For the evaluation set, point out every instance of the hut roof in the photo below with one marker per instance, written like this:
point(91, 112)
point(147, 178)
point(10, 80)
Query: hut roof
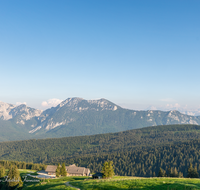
point(51, 168)
point(72, 169)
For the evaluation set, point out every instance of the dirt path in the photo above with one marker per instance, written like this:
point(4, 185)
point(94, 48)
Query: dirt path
point(67, 183)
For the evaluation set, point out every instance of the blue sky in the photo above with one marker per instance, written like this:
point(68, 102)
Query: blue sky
point(134, 53)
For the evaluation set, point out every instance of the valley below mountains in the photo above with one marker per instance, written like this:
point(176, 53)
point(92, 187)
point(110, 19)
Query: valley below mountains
point(79, 117)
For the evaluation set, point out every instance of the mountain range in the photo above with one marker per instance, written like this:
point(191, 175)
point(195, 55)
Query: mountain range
point(78, 117)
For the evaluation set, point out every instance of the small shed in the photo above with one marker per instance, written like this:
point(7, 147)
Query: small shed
point(97, 175)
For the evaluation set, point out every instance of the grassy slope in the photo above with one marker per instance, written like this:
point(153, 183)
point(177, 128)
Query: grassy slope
point(118, 183)
point(53, 184)
point(122, 183)
point(49, 186)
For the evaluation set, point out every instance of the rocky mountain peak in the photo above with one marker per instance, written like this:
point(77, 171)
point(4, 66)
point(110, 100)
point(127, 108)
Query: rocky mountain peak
point(103, 104)
point(10, 111)
point(80, 104)
point(5, 110)
point(70, 102)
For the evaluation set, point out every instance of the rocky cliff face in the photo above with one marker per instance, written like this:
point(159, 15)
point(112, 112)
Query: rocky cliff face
point(61, 114)
point(10, 111)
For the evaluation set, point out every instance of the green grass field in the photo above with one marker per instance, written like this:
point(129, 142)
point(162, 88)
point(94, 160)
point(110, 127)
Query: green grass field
point(53, 184)
point(48, 186)
point(116, 183)
point(131, 183)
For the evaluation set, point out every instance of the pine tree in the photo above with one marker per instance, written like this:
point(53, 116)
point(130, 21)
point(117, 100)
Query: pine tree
point(180, 174)
point(195, 173)
point(2, 171)
point(105, 170)
point(192, 172)
point(175, 172)
point(58, 170)
point(111, 169)
point(23, 165)
point(63, 171)
point(14, 178)
point(108, 170)
point(161, 173)
point(169, 172)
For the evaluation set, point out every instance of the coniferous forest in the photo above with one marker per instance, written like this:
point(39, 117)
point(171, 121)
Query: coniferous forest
point(141, 152)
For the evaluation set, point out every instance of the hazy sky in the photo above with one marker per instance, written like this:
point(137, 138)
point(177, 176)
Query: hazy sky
point(136, 53)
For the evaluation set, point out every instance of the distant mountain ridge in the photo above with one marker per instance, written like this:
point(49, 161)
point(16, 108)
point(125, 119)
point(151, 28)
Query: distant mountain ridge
point(77, 117)
point(10, 111)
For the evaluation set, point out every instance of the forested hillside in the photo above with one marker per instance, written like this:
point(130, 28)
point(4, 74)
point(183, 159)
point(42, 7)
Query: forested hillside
point(139, 152)
point(46, 150)
point(145, 161)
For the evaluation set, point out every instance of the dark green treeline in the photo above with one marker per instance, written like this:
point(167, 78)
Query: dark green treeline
point(22, 165)
point(139, 152)
point(144, 161)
